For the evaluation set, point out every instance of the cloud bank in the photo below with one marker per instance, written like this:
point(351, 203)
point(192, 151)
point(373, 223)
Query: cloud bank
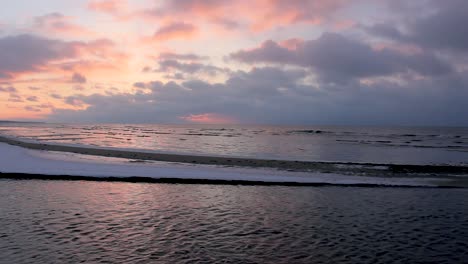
point(269, 61)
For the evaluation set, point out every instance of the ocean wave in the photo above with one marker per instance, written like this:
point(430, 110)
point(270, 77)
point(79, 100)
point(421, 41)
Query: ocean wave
point(310, 132)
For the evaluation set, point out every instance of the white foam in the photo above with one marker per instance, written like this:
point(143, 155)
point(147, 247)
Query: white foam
point(15, 159)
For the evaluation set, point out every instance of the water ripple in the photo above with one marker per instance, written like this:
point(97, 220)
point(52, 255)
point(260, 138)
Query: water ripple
point(98, 222)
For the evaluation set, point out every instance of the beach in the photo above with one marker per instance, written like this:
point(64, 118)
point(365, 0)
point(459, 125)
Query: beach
point(78, 198)
point(41, 160)
point(244, 132)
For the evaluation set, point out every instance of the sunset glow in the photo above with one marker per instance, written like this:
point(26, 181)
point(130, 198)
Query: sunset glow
point(265, 61)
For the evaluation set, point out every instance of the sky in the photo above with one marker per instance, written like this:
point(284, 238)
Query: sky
point(296, 62)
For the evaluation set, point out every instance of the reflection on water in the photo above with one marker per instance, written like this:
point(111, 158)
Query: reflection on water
point(69, 222)
point(348, 144)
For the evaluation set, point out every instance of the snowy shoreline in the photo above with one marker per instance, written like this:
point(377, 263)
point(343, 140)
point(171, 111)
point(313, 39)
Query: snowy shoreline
point(21, 163)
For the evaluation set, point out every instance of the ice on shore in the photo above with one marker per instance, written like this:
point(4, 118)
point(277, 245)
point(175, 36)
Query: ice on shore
point(15, 159)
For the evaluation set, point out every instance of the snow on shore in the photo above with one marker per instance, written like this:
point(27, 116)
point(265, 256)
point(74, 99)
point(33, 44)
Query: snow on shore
point(15, 159)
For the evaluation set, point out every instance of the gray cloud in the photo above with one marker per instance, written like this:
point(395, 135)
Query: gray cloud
point(445, 29)
point(28, 52)
point(181, 56)
point(5, 75)
point(336, 58)
point(56, 96)
point(242, 95)
point(176, 76)
point(226, 23)
point(32, 108)
point(76, 100)
point(273, 95)
point(140, 85)
point(16, 98)
point(442, 29)
point(386, 30)
point(78, 78)
point(9, 89)
point(78, 88)
point(188, 67)
point(32, 98)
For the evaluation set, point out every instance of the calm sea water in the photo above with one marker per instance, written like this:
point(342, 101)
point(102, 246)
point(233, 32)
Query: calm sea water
point(345, 144)
point(98, 222)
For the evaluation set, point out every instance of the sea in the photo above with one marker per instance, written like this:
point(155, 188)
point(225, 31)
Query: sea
point(109, 222)
point(380, 145)
point(60, 221)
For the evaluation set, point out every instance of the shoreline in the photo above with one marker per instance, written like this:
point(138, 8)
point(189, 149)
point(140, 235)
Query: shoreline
point(287, 165)
point(18, 162)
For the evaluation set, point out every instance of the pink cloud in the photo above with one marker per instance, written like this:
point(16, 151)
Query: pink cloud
point(281, 13)
point(344, 24)
point(107, 6)
point(292, 43)
point(257, 15)
point(120, 10)
point(177, 30)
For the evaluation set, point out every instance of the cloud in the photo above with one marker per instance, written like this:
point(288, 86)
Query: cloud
point(240, 96)
point(25, 53)
point(140, 85)
point(9, 89)
point(176, 65)
point(268, 52)
point(440, 29)
point(32, 98)
point(15, 98)
point(78, 78)
point(226, 23)
point(445, 29)
point(256, 15)
point(112, 7)
point(58, 23)
point(78, 88)
point(5, 76)
point(279, 12)
point(190, 67)
point(371, 67)
point(273, 95)
point(385, 30)
point(32, 109)
point(176, 30)
point(181, 56)
point(175, 76)
point(74, 101)
point(336, 58)
point(56, 96)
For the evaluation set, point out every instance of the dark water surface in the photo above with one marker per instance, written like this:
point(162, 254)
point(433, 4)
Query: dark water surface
point(99, 222)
